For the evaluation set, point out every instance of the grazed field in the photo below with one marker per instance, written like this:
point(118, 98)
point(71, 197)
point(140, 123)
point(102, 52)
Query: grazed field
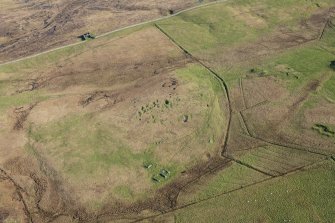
point(234, 100)
point(302, 197)
point(94, 123)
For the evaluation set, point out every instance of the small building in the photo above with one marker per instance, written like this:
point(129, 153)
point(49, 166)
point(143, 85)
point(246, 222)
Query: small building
point(87, 36)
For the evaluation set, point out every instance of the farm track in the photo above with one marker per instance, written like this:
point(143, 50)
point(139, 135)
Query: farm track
point(115, 31)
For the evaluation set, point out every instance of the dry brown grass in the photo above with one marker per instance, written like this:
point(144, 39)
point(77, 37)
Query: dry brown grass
point(245, 14)
point(261, 89)
point(10, 206)
point(110, 91)
point(40, 25)
point(108, 87)
point(323, 113)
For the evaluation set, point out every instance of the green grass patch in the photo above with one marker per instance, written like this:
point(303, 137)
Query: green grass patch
point(211, 95)
point(17, 100)
point(202, 77)
point(297, 66)
point(88, 147)
point(277, 160)
point(42, 60)
point(328, 37)
point(231, 178)
point(324, 130)
point(207, 27)
point(215, 25)
point(85, 145)
point(328, 89)
point(303, 197)
point(124, 192)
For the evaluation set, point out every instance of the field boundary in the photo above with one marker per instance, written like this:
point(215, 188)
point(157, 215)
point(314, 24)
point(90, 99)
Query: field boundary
point(242, 93)
point(249, 166)
point(231, 191)
point(216, 76)
point(244, 126)
point(289, 146)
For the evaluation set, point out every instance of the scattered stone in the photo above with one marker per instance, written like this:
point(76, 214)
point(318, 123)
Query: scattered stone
point(155, 179)
point(185, 118)
point(148, 165)
point(164, 173)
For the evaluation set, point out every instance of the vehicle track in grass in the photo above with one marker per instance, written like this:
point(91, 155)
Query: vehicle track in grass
point(19, 190)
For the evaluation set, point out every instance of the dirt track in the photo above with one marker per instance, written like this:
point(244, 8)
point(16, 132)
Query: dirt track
point(63, 26)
